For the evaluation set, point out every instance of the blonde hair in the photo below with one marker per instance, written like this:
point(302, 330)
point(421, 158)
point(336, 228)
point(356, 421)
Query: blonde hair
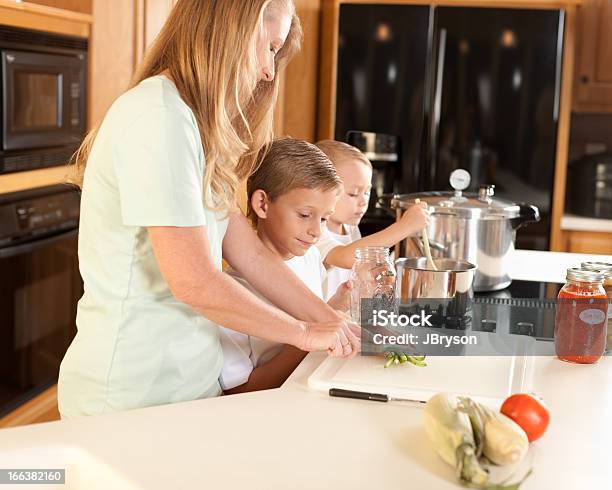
point(208, 50)
point(291, 164)
point(337, 151)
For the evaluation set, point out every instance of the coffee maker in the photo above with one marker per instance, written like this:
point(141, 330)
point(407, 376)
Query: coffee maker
point(383, 151)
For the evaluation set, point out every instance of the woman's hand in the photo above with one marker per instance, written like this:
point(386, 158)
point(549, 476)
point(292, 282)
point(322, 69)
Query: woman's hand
point(341, 300)
point(339, 338)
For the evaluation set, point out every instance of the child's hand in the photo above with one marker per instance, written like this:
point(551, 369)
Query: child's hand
point(414, 219)
point(341, 300)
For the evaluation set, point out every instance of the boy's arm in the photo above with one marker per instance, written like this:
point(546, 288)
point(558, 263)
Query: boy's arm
point(344, 255)
point(273, 373)
point(412, 221)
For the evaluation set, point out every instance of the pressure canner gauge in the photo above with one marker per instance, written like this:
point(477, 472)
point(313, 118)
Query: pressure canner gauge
point(459, 180)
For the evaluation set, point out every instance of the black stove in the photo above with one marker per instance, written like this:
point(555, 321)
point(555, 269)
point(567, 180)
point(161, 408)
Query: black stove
point(523, 308)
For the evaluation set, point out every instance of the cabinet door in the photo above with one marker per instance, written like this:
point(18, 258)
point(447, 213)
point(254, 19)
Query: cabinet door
point(296, 109)
point(593, 87)
point(123, 29)
point(589, 242)
point(151, 15)
point(112, 54)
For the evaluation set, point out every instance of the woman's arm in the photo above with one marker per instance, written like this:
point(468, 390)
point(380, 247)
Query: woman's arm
point(273, 373)
point(183, 256)
point(269, 274)
point(411, 222)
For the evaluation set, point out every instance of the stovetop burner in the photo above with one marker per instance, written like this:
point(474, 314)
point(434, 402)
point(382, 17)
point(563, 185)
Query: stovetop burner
point(527, 289)
point(523, 308)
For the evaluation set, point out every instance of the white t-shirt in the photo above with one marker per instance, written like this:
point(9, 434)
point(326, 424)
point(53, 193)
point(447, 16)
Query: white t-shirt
point(242, 353)
point(136, 344)
point(327, 242)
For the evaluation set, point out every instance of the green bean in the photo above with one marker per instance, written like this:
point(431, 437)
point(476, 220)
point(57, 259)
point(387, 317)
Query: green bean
point(401, 358)
point(416, 362)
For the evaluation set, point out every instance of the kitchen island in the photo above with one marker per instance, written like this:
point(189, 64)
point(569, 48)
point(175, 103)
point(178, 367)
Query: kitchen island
point(296, 438)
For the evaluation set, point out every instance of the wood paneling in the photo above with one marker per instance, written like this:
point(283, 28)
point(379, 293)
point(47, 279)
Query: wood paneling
point(83, 6)
point(593, 84)
point(42, 408)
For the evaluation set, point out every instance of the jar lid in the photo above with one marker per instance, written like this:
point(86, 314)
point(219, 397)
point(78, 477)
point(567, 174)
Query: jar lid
point(466, 205)
point(365, 253)
point(576, 274)
point(604, 267)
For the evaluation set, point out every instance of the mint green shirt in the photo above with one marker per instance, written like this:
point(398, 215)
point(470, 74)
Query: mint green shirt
point(136, 344)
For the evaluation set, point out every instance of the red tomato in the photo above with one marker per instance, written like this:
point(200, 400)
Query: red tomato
point(528, 411)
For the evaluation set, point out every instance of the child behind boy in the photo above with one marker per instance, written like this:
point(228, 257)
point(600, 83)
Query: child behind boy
point(338, 243)
point(290, 198)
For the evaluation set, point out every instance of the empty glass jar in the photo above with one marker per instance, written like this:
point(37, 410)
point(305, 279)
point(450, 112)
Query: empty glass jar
point(373, 276)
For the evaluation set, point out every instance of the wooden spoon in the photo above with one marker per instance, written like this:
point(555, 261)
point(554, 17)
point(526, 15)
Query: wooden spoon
point(430, 262)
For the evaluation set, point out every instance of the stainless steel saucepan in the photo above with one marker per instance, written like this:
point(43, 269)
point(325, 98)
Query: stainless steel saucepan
point(450, 287)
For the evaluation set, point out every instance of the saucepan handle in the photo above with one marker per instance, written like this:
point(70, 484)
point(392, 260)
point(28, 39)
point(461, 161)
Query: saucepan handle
point(384, 203)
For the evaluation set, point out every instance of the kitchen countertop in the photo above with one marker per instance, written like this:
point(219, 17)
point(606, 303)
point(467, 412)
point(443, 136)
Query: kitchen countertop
point(580, 223)
point(294, 438)
point(532, 265)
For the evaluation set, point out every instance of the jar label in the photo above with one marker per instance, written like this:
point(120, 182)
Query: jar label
point(592, 316)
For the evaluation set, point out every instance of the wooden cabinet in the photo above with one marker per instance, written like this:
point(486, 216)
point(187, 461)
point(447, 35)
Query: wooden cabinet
point(83, 6)
point(593, 81)
point(122, 31)
point(296, 111)
point(587, 242)
point(42, 408)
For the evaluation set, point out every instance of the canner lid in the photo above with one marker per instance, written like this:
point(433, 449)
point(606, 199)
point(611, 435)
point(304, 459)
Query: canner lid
point(482, 205)
point(466, 205)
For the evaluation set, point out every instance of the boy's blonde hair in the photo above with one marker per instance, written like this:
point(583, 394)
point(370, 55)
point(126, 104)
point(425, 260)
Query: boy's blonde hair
point(291, 164)
point(209, 51)
point(337, 151)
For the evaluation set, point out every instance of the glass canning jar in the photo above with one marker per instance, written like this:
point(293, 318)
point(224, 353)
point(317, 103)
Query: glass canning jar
point(606, 268)
point(580, 325)
point(373, 276)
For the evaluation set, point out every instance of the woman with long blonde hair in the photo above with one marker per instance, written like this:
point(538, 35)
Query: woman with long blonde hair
point(158, 211)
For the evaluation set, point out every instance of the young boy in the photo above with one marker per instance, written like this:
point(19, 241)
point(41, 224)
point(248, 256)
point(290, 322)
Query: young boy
point(338, 243)
point(290, 198)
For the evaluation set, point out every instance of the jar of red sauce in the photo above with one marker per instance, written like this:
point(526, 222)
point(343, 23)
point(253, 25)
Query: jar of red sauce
point(581, 317)
point(607, 284)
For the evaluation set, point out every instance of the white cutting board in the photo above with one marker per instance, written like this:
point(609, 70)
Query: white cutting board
point(486, 379)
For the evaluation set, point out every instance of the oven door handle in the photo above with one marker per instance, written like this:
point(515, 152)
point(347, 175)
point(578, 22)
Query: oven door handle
point(28, 247)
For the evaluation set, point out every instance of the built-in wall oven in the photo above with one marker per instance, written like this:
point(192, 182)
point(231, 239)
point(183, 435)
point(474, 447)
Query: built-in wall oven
point(43, 98)
point(39, 288)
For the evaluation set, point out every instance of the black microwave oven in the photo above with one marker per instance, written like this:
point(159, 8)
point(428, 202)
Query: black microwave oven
point(43, 98)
